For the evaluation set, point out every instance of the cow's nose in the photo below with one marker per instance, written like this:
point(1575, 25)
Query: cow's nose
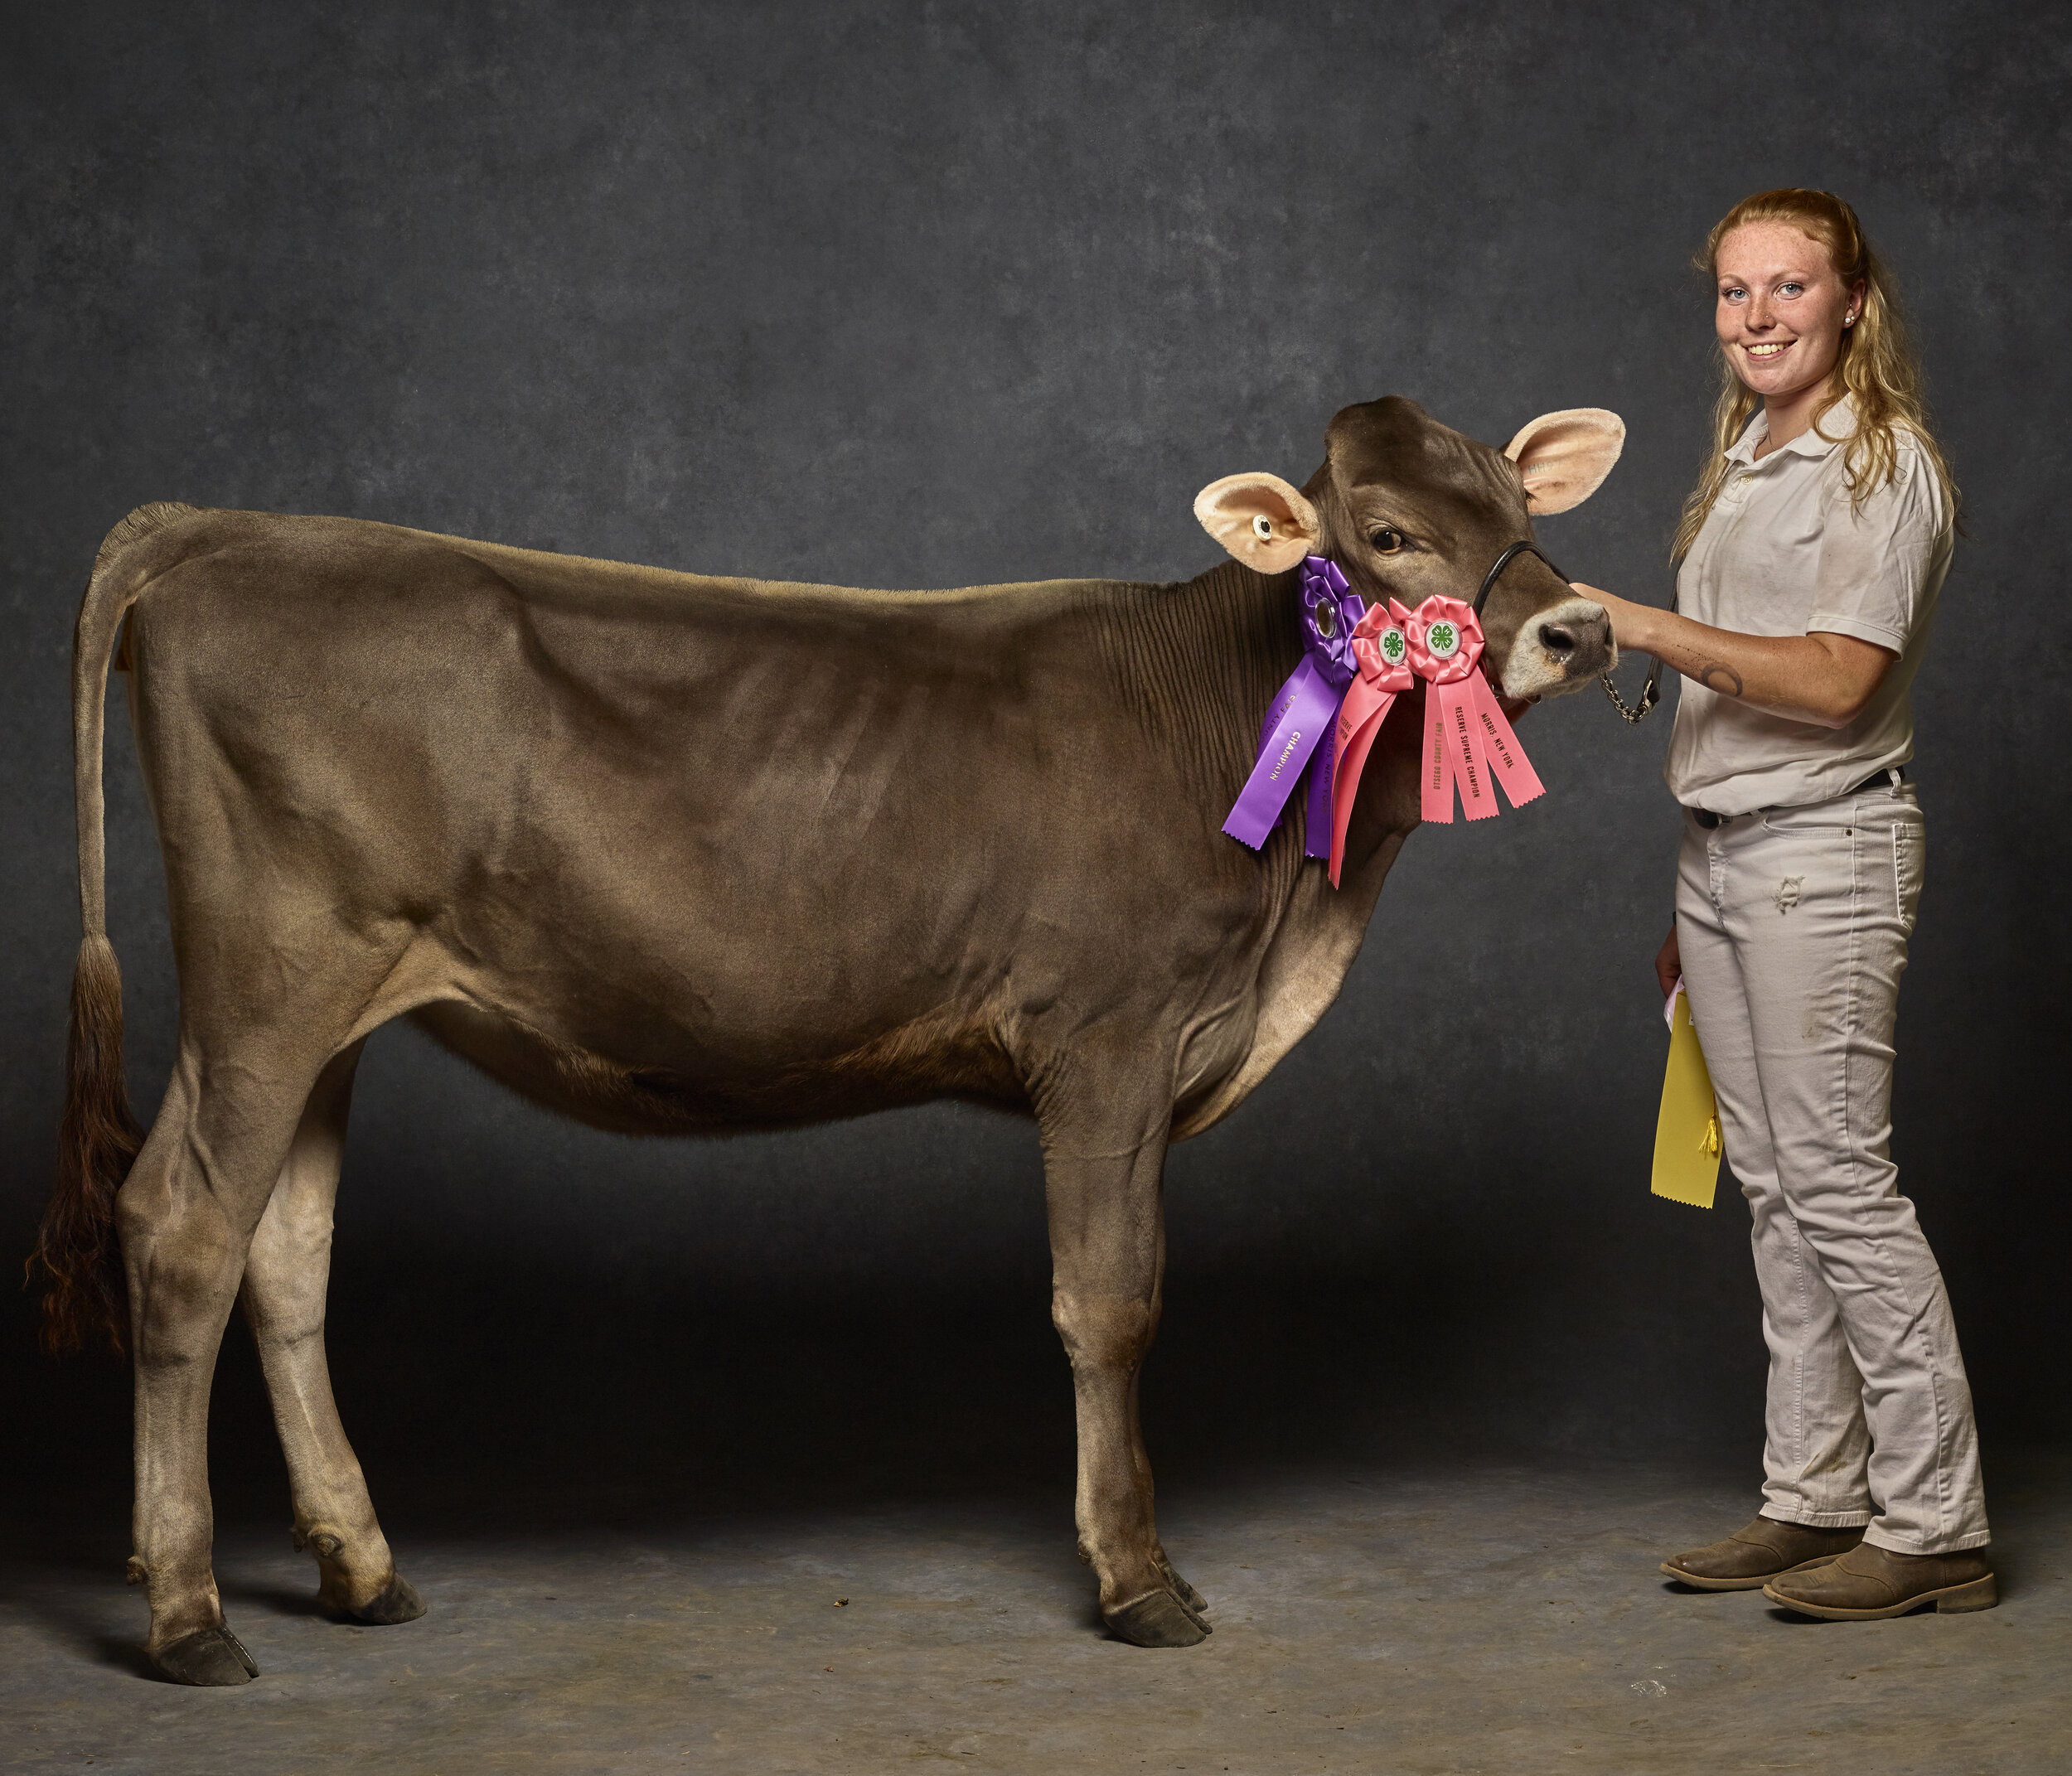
point(1572, 633)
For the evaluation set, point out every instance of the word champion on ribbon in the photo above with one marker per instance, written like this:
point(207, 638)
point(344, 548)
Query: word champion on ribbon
point(1356, 662)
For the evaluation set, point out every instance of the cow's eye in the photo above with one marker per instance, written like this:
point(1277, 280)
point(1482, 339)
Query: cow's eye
point(1387, 540)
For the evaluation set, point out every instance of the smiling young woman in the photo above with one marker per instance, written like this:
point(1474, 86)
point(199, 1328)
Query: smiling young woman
point(1812, 552)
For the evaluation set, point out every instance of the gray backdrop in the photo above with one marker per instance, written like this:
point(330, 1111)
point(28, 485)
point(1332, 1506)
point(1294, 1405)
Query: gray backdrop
point(937, 295)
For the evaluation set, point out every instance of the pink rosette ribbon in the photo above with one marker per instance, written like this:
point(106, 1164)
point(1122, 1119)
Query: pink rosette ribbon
point(1467, 739)
point(1380, 651)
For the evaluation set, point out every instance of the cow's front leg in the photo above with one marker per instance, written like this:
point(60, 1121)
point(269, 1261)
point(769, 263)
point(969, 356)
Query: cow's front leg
point(286, 1277)
point(1105, 1186)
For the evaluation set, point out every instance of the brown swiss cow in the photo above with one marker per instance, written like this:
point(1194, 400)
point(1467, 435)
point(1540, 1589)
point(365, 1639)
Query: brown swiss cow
point(677, 853)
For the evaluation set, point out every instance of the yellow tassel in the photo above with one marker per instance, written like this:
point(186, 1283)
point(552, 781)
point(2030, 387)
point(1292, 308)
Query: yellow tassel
point(1709, 1142)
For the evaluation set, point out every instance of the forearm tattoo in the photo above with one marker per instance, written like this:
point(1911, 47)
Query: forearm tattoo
point(1716, 677)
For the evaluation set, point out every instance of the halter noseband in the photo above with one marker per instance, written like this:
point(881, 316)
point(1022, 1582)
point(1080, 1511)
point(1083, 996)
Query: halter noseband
point(1649, 692)
point(1503, 561)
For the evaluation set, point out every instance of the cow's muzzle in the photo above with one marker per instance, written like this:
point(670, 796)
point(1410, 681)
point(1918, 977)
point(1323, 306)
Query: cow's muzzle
point(1559, 649)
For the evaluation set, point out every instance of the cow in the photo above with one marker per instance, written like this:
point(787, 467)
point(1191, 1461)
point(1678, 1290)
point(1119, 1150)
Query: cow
point(679, 853)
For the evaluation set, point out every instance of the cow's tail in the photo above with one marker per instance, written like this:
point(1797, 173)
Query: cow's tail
point(78, 1251)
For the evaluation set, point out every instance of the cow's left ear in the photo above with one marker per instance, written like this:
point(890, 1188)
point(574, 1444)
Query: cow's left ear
point(1260, 519)
point(1565, 456)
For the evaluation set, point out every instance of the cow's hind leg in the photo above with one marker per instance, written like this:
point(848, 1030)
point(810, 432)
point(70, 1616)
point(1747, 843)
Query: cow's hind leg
point(1105, 1186)
point(186, 1214)
point(287, 1274)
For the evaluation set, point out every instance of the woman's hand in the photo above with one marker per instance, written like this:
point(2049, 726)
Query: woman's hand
point(1632, 625)
point(1823, 679)
point(1669, 962)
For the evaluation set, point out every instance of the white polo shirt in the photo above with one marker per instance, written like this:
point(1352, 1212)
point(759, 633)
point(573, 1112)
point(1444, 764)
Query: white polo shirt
point(1782, 552)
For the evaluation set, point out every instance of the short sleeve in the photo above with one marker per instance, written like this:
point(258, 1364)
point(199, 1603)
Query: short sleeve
point(1876, 558)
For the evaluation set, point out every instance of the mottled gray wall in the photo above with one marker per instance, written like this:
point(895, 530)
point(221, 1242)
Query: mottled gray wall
point(936, 295)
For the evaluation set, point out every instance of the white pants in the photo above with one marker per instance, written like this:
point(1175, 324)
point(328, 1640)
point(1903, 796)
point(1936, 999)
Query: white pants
point(1793, 928)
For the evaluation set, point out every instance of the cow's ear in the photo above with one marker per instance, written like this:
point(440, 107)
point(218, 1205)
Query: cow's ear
point(1260, 519)
point(1565, 456)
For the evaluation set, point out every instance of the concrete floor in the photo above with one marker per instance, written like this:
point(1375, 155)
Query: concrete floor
point(1475, 1618)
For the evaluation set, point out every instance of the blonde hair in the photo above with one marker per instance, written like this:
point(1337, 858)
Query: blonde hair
point(1876, 369)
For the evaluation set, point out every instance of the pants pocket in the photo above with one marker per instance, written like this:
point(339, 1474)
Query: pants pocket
point(1907, 862)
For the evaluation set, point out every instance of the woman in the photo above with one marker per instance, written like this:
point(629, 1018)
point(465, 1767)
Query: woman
point(1812, 552)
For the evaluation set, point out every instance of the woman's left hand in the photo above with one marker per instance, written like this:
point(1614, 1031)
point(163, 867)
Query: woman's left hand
point(1630, 624)
point(1823, 679)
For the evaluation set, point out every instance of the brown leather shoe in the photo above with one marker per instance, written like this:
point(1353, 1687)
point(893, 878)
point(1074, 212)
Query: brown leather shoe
point(1869, 1584)
point(1766, 1550)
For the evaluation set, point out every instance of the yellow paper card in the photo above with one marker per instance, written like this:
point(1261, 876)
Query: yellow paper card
point(1687, 1131)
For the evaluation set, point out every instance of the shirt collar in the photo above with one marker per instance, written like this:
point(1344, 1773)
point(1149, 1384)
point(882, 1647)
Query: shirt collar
point(1838, 422)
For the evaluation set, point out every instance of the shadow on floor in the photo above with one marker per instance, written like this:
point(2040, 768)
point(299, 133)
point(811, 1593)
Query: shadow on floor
point(477, 1413)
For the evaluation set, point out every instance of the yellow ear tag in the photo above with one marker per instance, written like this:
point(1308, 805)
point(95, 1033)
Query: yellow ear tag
point(1687, 1132)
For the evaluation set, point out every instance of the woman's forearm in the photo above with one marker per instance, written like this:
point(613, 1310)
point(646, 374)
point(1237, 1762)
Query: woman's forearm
point(1823, 679)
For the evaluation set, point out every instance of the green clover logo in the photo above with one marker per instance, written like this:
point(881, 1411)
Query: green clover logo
point(1443, 639)
point(1394, 647)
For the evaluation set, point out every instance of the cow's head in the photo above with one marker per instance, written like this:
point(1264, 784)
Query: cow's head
point(1407, 507)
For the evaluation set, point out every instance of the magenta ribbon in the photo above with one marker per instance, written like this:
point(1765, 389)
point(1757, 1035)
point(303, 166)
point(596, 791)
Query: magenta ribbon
point(1381, 651)
point(1303, 716)
point(1356, 662)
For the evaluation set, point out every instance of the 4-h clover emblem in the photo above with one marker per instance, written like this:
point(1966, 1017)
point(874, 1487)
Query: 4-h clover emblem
point(1442, 641)
point(1393, 645)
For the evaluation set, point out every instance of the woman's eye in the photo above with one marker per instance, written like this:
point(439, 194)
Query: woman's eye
point(1789, 289)
point(1733, 295)
point(1385, 540)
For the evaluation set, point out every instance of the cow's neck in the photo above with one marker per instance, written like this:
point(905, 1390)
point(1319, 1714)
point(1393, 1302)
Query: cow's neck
point(1199, 664)
point(1201, 660)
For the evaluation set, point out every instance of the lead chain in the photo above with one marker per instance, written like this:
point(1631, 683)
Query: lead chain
point(1650, 694)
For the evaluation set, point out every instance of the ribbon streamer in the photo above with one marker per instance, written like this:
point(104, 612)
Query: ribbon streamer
point(1328, 713)
point(1304, 715)
point(1468, 744)
point(1382, 652)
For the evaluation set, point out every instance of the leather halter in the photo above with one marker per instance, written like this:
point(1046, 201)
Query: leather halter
point(1503, 561)
point(1650, 691)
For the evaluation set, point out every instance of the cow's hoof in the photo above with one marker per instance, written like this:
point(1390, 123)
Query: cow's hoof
point(209, 1656)
point(1196, 1603)
point(397, 1601)
point(1158, 1619)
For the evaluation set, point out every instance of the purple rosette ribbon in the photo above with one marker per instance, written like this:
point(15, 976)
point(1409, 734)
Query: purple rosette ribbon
point(1300, 730)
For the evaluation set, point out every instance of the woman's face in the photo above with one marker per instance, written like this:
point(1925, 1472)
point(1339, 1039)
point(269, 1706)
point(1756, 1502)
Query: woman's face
point(1782, 308)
